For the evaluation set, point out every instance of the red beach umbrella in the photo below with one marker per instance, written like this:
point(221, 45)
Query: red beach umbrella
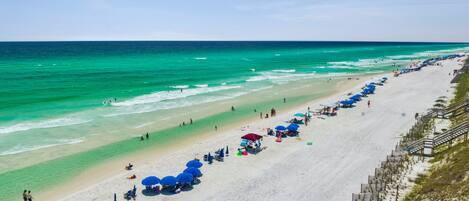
point(252, 137)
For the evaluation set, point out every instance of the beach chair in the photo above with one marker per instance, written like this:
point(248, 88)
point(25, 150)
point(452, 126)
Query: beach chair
point(128, 195)
point(210, 159)
point(219, 158)
point(134, 193)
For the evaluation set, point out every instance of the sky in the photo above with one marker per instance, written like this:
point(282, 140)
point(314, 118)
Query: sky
point(311, 20)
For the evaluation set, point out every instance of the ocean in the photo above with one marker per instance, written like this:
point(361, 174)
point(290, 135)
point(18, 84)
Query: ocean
point(63, 102)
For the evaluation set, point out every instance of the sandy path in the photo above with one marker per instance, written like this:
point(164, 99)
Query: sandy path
point(345, 150)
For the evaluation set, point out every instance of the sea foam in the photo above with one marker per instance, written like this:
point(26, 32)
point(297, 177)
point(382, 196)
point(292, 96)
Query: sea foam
point(179, 87)
point(170, 95)
point(26, 148)
point(41, 124)
point(285, 71)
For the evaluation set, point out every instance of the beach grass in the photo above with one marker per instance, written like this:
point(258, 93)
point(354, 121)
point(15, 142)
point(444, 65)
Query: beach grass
point(448, 178)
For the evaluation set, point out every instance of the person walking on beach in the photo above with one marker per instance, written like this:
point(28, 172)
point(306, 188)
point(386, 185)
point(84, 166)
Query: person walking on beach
point(29, 197)
point(25, 195)
point(369, 103)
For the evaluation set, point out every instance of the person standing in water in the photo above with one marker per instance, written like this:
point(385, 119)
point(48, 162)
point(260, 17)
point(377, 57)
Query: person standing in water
point(147, 136)
point(216, 127)
point(232, 108)
point(190, 121)
point(284, 100)
point(261, 115)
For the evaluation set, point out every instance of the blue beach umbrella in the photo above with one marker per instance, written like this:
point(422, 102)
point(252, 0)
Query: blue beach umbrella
point(299, 114)
point(293, 127)
point(353, 99)
point(280, 128)
point(150, 181)
point(194, 163)
point(185, 178)
point(168, 181)
point(193, 171)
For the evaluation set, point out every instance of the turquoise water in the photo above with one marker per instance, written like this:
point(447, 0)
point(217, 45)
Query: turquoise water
point(47, 85)
point(60, 94)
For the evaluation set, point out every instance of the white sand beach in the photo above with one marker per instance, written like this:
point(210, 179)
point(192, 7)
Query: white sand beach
point(345, 149)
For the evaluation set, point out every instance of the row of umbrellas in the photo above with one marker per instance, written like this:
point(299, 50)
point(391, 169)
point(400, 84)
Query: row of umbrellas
point(291, 127)
point(368, 89)
point(187, 176)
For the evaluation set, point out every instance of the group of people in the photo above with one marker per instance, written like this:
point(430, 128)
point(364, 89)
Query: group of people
point(143, 137)
point(109, 101)
point(184, 123)
point(273, 112)
point(27, 195)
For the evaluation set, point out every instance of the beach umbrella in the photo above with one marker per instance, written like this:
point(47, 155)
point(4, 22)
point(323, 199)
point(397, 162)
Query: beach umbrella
point(354, 98)
point(168, 181)
point(244, 142)
point(194, 163)
point(252, 137)
point(150, 181)
point(185, 178)
point(194, 171)
point(293, 127)
point(280, 128)
point(299, 115)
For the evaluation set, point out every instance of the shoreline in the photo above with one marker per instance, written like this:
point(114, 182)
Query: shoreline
point(259, 124)
point(109, 168)
point(93, 139)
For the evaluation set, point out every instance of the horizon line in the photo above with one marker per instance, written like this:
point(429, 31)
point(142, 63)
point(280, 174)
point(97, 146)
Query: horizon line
point(190, 40)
